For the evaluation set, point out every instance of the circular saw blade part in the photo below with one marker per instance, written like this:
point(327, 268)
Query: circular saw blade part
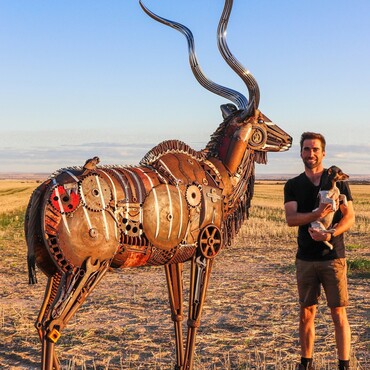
point(95, 193)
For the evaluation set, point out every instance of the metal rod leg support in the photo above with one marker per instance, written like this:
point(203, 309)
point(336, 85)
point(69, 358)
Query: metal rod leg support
point(200, 272)
point(175, 292)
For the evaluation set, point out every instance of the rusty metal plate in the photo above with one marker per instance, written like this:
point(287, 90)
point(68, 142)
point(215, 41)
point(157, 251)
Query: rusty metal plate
point(165, 216)
point(128, 258)
point(181, 167)
point(88, 234)
point(211, 211)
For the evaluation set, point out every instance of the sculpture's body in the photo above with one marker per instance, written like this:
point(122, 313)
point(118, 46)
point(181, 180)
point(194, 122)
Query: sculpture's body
point(178, 205)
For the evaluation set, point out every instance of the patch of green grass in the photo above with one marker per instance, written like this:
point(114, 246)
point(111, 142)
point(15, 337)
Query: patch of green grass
point(7, 192)
point(289, 268)
point(12, 219)
point(359, 267)
point(354, 247)
point(269, 214)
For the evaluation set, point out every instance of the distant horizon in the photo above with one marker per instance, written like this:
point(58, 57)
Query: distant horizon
point(29, 153)
point(259, 176)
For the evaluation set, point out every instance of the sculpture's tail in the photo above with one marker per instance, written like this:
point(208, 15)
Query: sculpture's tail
point(31, 223)
point(31, 262)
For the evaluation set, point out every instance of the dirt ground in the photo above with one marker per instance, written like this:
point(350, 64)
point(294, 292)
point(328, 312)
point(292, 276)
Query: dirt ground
point(249, 320)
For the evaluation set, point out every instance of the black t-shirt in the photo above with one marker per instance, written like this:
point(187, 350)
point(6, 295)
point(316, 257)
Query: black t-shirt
point(301, 190)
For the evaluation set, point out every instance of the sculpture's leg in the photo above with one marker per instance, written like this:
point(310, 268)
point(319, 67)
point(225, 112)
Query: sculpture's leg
point(199, 278)
point(50, 294)
point(62, 299)
point(175, 288)
point(49, 359)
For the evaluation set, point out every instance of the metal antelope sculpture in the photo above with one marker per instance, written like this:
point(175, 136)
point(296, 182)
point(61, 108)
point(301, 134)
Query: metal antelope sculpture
point(177, 205)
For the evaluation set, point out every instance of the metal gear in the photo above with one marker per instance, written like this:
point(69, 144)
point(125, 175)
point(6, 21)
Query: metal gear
point(95, 193)
point(64, 201)
point(210, 241)
point(193, 195)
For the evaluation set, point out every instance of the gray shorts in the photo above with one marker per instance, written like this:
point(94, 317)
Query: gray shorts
point(331, 275)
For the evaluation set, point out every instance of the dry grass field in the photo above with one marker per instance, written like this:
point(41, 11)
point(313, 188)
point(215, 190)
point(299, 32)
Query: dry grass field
point(250, 316)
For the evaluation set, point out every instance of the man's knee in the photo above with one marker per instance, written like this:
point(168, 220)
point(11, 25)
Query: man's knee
point(307, 314)
point(339, 316)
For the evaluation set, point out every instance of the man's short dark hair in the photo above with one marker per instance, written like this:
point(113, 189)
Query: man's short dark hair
point(312, 136)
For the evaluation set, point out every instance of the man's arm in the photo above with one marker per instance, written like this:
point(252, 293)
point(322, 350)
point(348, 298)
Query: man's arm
point(294, 218)
point(347, 220)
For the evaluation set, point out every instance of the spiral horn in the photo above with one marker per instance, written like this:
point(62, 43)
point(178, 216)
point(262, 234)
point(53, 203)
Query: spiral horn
point(237, 98)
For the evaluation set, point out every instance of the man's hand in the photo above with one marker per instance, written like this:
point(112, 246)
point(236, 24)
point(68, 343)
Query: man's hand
point(323, 210)
point(319, 235)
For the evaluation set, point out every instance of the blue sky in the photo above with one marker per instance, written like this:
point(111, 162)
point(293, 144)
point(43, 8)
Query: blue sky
point(87, 77)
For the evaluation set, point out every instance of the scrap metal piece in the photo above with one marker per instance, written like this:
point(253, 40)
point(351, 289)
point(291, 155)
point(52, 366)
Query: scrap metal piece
point(210, 241)
point(165, 216)
point(131, 219)
point(64, 200)
point(193, 195)
point(95, 193)
point(87, 233)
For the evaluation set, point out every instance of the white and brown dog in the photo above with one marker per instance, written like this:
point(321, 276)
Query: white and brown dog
point(329, 194)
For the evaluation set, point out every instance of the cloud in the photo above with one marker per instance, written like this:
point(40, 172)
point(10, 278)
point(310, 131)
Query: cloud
point(49, 159)
point(24, 153)
point(353, 159)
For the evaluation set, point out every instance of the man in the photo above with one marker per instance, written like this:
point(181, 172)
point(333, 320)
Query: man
point(317, 264)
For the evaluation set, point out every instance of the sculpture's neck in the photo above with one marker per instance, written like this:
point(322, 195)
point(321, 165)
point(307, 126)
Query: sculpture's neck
point(233, 150)
point(230, 153)
point(242, 181)
point(229, 144)
point(238, 201)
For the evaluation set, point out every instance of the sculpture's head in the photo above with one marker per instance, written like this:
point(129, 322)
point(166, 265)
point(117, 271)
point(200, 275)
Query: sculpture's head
point(255, 129)
point(242, 116)
point(239, 134)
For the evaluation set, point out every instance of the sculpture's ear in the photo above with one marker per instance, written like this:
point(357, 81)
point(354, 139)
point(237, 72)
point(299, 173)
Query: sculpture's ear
point(227, 110)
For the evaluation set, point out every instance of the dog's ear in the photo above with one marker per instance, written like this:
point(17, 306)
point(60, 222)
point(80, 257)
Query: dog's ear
point(330, 170)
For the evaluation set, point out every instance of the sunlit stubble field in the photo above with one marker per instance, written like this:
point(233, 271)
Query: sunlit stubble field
point(250, 316)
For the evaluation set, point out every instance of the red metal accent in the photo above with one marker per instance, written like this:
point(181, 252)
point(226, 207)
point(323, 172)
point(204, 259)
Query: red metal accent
point(64, 202)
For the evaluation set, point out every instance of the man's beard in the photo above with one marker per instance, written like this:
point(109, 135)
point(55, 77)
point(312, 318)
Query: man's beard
point(311, 165)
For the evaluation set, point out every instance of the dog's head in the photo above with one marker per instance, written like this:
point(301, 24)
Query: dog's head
point(336, 174)
point(331, 176)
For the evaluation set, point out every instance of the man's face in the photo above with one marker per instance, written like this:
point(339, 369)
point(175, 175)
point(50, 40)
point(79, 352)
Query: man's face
point(312, 153)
